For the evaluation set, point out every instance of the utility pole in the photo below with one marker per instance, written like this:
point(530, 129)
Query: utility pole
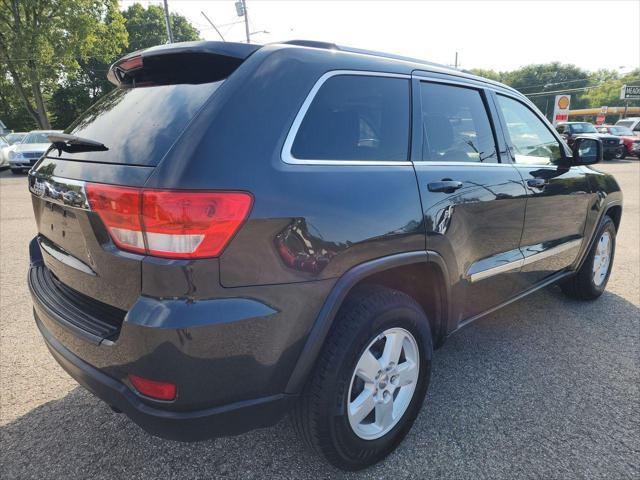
point(241, 10)
point(166, 21)
point(246, 20)
point(455, 64)
point(213, 25)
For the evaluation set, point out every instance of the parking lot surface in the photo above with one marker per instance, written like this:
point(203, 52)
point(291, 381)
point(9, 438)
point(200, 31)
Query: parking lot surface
point(545, 388)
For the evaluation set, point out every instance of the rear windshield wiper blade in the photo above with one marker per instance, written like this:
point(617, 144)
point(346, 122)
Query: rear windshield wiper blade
point(72, 144)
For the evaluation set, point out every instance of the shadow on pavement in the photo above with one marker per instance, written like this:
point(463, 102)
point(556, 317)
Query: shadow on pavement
point(545, 388)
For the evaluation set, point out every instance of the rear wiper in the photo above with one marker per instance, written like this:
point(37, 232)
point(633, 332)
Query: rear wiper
point(72, 144)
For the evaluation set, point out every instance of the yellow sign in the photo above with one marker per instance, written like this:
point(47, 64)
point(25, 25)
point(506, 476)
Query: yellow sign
point(563, 102)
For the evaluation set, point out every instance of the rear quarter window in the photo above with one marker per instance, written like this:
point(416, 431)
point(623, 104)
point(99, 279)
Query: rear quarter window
point(356, 117)
point(139, 125)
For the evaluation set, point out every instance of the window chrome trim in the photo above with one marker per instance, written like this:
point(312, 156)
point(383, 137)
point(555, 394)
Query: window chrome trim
point(287, 156)
point(521, 262)
point(437, 163)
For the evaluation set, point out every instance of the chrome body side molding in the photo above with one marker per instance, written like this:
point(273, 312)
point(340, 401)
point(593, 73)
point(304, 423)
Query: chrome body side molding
point(529, 255)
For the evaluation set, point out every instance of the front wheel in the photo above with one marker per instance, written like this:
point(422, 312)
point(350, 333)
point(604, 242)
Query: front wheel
point(621, 153)
point(591, 280)
point(370, 380)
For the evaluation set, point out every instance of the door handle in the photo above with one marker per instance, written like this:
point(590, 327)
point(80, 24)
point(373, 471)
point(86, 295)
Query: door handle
point(537, 182)
point(445, 186)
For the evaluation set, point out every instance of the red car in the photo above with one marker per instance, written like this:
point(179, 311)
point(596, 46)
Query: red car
point(631, 142)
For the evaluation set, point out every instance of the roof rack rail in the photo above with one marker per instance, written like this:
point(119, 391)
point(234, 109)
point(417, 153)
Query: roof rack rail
point(312, 44)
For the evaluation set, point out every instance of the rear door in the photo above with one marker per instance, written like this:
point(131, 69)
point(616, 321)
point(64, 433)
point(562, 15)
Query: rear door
point(473, 204)
point(558, 196)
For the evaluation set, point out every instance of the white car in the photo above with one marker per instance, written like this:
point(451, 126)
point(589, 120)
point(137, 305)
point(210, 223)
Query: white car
point(4, 152)
point(23, 155)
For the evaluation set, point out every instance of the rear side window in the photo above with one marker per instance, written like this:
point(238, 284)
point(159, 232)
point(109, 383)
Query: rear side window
point(455, 125)
point(139, 125)
point(356, 117)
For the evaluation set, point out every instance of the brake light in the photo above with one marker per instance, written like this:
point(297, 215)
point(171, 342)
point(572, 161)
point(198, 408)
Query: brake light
point(132, 63)
point(151, 388)
point(119, 208)
point(172, 224)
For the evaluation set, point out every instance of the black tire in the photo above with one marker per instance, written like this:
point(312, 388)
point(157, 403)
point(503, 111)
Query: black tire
point(320, 416)
point(582, 286)
point(621, 153)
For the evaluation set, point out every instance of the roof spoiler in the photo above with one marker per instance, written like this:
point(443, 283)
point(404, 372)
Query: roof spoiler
point(185, 62)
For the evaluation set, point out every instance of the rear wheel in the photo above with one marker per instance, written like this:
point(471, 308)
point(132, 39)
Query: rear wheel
point(621, 152)
point(591, 280)
point(370, 380)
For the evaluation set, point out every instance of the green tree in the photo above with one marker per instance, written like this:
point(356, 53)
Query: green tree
point(13, 113)
point(607, 85)
point(548, 77)
point(490, 74)
point(146, 27)
point(42, 43)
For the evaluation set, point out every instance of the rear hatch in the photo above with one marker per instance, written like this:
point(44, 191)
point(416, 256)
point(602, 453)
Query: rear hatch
point(160, 91)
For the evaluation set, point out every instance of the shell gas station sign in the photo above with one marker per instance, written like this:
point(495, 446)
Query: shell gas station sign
point(561, 109)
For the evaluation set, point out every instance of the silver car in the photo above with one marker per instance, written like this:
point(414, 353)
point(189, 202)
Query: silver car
point(26, 153)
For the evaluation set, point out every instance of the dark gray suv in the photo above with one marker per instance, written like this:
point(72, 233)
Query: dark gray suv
point(239, 232)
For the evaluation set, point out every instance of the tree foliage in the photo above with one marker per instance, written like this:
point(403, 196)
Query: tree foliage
point(56, 54)
point(147, 28)
point(43, 42)
point(587, 89)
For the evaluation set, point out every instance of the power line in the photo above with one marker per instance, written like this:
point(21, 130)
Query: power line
point(566, 90)
point(213, 25)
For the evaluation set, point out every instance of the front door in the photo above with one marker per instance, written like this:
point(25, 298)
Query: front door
point(558, 195)
point(473, 205)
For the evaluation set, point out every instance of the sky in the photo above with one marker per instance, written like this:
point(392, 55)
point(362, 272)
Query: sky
point(500, 34)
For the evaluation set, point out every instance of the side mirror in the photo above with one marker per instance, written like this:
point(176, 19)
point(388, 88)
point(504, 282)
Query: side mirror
point(586, 151)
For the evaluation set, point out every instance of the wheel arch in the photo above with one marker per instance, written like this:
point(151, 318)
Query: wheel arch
point(387, 271)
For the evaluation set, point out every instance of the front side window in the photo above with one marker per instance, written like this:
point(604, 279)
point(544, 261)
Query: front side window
point(533, 143)
point(455, 125)
point(356, 117)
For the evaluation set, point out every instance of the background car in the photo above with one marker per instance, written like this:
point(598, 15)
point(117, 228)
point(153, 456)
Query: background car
point(612, 146)
point(4, 153)
point(15, 137)
point(632, 123)
point(23, 155)
point(631, 142)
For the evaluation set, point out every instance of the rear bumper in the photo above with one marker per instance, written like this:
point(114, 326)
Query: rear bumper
point(184, 426)
point(230, 357)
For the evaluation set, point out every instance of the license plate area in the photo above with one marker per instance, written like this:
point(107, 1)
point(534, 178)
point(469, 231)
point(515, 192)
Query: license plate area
point(60, 225)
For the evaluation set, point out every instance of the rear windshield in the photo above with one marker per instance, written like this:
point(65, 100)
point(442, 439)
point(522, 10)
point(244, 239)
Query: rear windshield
point(139, 125)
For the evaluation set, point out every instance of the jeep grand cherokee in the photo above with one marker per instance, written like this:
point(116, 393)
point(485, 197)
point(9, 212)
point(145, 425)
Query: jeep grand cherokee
point(239, 232)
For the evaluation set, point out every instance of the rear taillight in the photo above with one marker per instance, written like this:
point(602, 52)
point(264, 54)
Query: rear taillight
point(173, 224)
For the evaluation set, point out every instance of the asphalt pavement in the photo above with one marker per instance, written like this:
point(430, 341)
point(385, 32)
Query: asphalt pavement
point(546, 388)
